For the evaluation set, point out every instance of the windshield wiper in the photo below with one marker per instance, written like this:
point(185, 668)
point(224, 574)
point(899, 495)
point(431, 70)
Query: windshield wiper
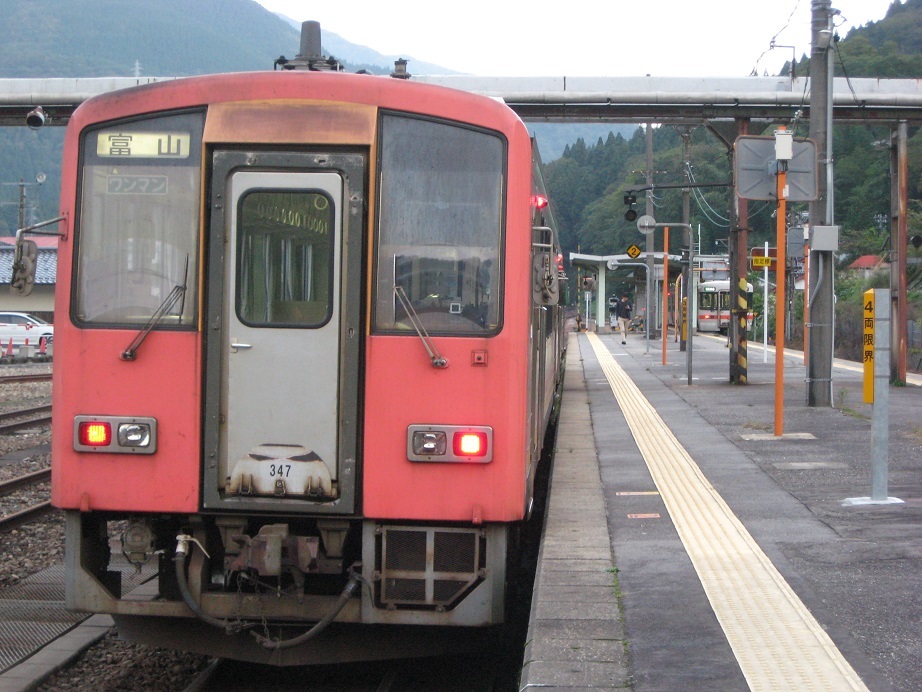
point(179, 291)
point(436, 358)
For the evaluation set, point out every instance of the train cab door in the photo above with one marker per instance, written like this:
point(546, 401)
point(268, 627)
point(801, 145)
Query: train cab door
point(282, 348)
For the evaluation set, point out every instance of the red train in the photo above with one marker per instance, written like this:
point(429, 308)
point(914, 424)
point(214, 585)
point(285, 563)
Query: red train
point(307, 347)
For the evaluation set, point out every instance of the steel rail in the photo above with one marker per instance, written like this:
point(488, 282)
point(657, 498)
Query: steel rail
point(25, 515)
point(19, 379)
point(35, 419)
point(14, 484)
point(11, 415)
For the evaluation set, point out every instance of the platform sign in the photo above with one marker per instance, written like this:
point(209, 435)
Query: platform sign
point(867, 346)
point(759, 260)
point(633, 252)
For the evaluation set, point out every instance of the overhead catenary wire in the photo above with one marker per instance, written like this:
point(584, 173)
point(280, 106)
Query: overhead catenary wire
point(704, 206)
point(771, 43)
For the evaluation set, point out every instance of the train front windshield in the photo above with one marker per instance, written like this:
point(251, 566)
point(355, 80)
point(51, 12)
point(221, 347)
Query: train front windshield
point(137, 227)
point(714, 301)
point(439, 227)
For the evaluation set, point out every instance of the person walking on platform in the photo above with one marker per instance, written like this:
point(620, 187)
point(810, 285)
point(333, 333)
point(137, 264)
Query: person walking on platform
point(624, 309)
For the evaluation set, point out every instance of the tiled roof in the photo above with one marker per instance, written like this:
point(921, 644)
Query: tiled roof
point(867, 262)
point(46, 265)
point(40, 240)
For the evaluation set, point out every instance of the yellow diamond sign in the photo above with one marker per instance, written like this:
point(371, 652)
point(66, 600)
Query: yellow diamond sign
point(633, 252)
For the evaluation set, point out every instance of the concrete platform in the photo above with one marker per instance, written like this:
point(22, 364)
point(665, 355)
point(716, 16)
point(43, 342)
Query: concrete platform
point(856, 570)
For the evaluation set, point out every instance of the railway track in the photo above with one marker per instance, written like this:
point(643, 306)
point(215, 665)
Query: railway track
point(19, 379)
point(16, 511)
point(21, 419)
point(19, 503)
point(459, 673)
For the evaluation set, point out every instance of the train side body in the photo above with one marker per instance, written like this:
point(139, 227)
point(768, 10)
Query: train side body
point(299, 350)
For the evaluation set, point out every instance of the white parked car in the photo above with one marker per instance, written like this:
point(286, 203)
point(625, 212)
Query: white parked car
point(20, 326)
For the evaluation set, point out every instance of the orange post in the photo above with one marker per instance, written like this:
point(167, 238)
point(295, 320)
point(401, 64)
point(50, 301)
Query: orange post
point(780, 300)
point(665, 288)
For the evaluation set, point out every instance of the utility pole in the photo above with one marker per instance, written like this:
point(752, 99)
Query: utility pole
point(899, 247)
point(687, 271)
point(650, 317)
point(738, 249)
point(821, 304)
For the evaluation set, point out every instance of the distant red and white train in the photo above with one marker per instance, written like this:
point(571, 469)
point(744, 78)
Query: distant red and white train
point(714, 301)
point(307, 348)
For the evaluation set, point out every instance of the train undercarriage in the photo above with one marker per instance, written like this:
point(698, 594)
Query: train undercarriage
point(265, 589)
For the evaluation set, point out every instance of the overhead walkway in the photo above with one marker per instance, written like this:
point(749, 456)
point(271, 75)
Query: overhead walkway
point(561, 98)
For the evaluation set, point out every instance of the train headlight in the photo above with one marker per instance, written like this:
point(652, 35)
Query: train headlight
point(115, 434)
point(450, 443)
point(134, 435)
point(430, 442)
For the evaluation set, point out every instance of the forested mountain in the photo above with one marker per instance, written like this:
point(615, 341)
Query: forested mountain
point(589, 181)
point(59, 38)
point(104, 38)
point(889, 48)
point(93, 38)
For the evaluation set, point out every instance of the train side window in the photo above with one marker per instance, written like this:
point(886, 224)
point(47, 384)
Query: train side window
point(137, 239)
point(285, 258)
point(440, 221)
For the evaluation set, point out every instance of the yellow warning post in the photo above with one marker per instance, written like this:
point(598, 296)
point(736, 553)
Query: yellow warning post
point(867, 346)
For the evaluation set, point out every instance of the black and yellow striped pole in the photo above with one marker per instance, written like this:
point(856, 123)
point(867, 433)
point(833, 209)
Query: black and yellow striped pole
point(742, 315)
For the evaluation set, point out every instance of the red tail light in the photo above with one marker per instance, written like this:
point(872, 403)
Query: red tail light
point(470, 444)
point(95, 434)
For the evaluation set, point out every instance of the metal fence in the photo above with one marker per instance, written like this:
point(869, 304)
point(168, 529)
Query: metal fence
point(914, 345)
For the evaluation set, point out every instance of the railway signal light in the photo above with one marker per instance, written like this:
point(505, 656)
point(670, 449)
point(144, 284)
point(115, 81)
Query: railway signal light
point(630, 199)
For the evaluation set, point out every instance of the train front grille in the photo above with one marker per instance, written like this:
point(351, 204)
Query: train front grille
point(428, 567)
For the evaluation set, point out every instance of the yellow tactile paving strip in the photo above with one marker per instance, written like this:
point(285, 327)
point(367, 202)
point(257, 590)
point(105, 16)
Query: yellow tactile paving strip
point(779, 645)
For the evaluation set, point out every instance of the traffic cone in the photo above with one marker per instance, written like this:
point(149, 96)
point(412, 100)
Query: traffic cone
point(41, 346)
point(9, 348)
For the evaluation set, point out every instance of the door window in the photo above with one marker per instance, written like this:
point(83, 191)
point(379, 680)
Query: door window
point(285, 258)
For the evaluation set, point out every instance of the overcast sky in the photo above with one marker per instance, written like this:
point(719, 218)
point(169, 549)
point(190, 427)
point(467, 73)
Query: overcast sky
point(663, 38)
